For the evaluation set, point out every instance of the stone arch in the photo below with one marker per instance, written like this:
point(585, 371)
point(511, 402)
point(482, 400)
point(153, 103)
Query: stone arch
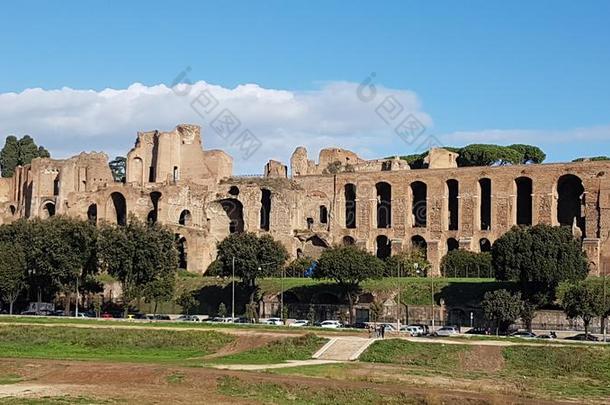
point(309, 221)
point(524, 188)
point(92, 213)
point(350, 205)
point(485, 204)
point(384, 204)
point(348, 241)
point(186, 218)
point(56, 185)
point(418, 242)
point(12, 209)
point(47, 210)
point(453, 206)
point(452, 244)
point(419, 204)
point(182, 246)
point(325, 298)
point(570, 202)
point(235, 212)
point(265, 211)
point(484, 245)
point(384, 248)
point(116, 207)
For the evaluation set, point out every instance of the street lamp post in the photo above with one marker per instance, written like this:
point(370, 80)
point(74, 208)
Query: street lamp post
point(76, 304)
point(398, 312)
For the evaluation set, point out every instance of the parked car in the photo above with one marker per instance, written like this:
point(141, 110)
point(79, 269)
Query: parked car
point(185, 318)
point(330, 324)
point(423, 327)
point(412, 330)
point(551, 335)
point(523, 334)
point(389, 327)
point(106, 315)
point(584, 337)
point(478, 331)
point(357, 325)
point(299, 323)
point(446, 331)
point(274, 321)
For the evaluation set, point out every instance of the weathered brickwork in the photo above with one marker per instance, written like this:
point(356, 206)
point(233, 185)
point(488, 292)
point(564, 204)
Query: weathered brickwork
point(381, 205)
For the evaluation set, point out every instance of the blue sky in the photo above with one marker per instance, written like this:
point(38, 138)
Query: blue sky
point(474, 71)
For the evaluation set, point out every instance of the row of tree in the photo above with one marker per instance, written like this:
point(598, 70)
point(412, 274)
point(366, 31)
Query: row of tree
point(486, 155)
point(51, 256)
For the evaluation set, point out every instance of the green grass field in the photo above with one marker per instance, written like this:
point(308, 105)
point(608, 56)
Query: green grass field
point(296, 348)
point(108, 344)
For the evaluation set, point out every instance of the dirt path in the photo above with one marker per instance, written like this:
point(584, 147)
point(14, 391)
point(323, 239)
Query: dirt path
point(147, 383)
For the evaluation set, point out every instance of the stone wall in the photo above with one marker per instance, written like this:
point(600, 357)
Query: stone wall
point(172, 180)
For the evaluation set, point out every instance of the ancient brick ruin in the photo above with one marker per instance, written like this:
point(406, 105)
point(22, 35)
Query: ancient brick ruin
point(381, 205)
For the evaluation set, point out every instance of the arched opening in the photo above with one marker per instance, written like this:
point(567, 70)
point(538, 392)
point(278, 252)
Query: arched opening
point(265, 211)
point(348, 241)
point(120, 207)
point(452, 244)
point(484, 245)
point(48, 210)
point(570, 202)
point(485, 204)
point(153, 215)
point(176, 174)
point(56, 186)
point(384, 248)
point(419, 243)
point(13, 209)
point(453, 205)
point(350, 206)
point(323, 214)
point(185, 218)
point(138, 169)
point(299, 253)
point(384, 205)
point(234, 191)
point(309, 221)
point(181, 245)
point(92, 213)
point(524, 200)
point(235, 212)
point(419, 204)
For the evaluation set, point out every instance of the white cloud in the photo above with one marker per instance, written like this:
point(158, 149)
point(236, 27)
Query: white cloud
point(68, 121)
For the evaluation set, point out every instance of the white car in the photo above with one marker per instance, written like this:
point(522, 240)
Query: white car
point(447, 331)
point(330, 324)
point(300, 323)
point(413, 330)
point(274, 321)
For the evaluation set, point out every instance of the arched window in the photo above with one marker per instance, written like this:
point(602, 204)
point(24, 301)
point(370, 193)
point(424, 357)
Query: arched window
point(182, 252)
point(384, 205)
point(350, 206)
point(235, 212)
point(153, 215)
point(484, 245)
point(323, 214)
point(485, 204)
point(92, 213)
point(384, 249)
point(418, 242)
point(265, 211)
point(524, 200)
point(570, 202)
point(419, 204)
point(48, 210)
point(118, 208)
point(452, 244)
point(348, 241)
point(185, 218)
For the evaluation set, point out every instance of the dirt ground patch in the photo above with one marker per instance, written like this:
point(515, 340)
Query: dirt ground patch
point(242, 343)
point(148, 384)
point(483, 358)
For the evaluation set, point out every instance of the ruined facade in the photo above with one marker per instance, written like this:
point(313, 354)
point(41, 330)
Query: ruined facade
point(381, 205)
